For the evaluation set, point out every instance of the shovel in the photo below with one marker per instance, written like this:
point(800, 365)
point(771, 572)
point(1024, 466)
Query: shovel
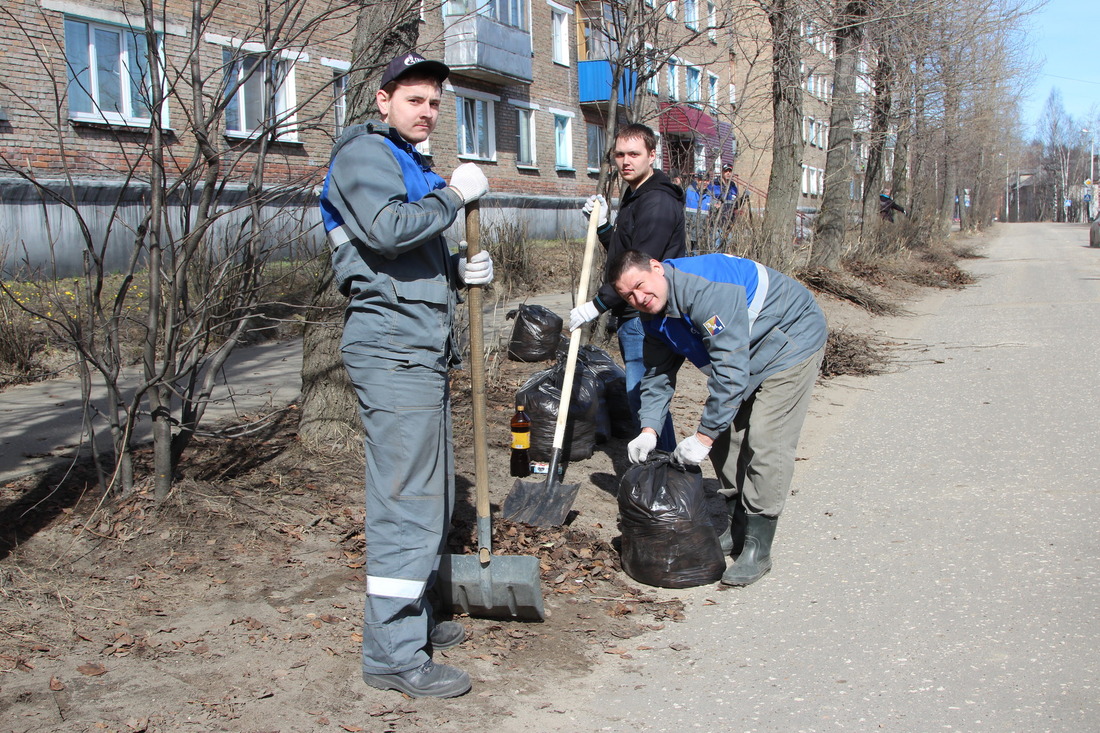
point(486, 585)
point(547, 503)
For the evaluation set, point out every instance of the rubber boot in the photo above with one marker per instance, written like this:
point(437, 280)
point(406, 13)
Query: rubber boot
point(733, 539)
point(755, 559)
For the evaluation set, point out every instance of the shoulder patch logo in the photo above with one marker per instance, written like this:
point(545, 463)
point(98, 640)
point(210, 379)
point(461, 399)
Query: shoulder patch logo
point(714, 325)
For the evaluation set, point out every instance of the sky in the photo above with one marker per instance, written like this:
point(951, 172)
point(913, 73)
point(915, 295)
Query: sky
point(1065, 35)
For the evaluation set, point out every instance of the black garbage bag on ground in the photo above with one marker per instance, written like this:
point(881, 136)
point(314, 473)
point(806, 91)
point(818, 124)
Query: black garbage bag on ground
point(668, 539)
point(535, 335)
point(622, 422)
point(541, 397)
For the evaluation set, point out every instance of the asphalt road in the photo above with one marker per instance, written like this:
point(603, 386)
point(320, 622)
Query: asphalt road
point(938, 567)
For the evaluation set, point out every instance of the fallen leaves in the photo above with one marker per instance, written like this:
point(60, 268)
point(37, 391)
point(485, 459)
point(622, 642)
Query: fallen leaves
point(92, 669)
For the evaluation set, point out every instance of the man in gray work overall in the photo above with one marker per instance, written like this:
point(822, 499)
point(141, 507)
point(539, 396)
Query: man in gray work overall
point(759, 335)
point(385, 212)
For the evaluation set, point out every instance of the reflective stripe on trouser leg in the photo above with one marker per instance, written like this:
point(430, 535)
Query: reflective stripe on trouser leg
point(755, 457)
point(409, 496)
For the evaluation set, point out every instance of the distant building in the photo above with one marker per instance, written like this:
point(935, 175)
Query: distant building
point(527, 99)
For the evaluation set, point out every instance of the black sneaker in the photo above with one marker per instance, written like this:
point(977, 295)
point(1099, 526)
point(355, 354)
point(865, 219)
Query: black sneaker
point(447, 634)
point(428, 680)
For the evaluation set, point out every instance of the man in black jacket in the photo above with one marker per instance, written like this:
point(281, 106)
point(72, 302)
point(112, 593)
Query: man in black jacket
point(650, 220)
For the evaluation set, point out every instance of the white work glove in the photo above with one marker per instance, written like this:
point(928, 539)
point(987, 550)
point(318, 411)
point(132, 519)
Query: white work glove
point(470, 182)
point(478, 270)
point(582, 314)
point(690, 451)
point(588, 206)
point(639, 449)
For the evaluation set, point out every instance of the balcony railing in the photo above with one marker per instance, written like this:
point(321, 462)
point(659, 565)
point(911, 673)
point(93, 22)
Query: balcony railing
point(480, 47)
point(595, 79)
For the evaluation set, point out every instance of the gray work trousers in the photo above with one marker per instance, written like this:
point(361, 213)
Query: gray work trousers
point(409, 498)
point(754, 457)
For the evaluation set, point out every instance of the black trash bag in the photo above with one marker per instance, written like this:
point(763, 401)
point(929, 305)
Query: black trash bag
point(541, 396)
point(668, 539)
point(535, 335)
point(623, 424)
point(718, 506)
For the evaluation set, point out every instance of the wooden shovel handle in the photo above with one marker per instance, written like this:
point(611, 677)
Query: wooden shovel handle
point(576, 336)
point(477, 374)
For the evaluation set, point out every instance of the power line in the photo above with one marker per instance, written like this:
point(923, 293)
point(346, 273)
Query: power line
point(1069, 78)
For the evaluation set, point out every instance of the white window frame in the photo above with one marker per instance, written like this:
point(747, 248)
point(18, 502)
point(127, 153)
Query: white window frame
point(462, 96)
point(670, 9)
point(672, 79)
point(559, 33)
point(653, 83)
point(339, 91)
point(339, 102)
point(712, 21)
point(563, 147)
point(691, 14)
point(601, 142)
point(286, 115)
point(504, 12)
point(733, 94)
point(127, 33)
point(525, 118)
point(693, 92)
point(712, 91)
point(285, 96)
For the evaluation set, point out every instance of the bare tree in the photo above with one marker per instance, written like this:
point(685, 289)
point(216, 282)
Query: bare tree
point(831, 225)
point(784, 19)
point(207, 222)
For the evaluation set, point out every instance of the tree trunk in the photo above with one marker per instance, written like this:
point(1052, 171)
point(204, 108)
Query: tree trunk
point(950, 169)
point(383, 31)
point(831, 225)
point(899, 176)
point(786, 172)
point(880, 122)
point(329, 415)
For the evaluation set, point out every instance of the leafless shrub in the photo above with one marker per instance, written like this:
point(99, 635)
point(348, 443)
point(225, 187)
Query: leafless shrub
point(844, 287)
point(853, 354)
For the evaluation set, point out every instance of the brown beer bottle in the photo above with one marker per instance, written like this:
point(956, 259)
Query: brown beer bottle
point(521, 441)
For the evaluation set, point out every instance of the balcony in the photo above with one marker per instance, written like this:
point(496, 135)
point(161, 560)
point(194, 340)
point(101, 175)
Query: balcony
point(594, 80)
point(478, 46)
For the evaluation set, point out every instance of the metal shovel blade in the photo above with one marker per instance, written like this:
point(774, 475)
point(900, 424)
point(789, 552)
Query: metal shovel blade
point(504, 587)
point(541, 503)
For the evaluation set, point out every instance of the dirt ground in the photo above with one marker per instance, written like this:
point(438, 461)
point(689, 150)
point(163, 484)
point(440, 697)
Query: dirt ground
point(236, 606)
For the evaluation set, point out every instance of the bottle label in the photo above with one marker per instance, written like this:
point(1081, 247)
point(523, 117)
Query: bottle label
point(521, 440)
point(543, 468)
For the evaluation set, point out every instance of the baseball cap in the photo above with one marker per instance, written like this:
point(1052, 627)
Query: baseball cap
point(727, 168)
point(409, 62)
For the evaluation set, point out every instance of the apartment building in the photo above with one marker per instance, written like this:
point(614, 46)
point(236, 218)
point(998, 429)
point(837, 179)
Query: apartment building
point(252, 97)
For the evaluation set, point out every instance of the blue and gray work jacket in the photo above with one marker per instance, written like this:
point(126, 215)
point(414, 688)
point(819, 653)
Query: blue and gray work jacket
point(734, 318)
point(385, 212)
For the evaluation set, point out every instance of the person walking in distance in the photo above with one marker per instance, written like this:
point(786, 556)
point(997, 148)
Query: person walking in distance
point(385, 212)
point(650, 220)
point(760, 337)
